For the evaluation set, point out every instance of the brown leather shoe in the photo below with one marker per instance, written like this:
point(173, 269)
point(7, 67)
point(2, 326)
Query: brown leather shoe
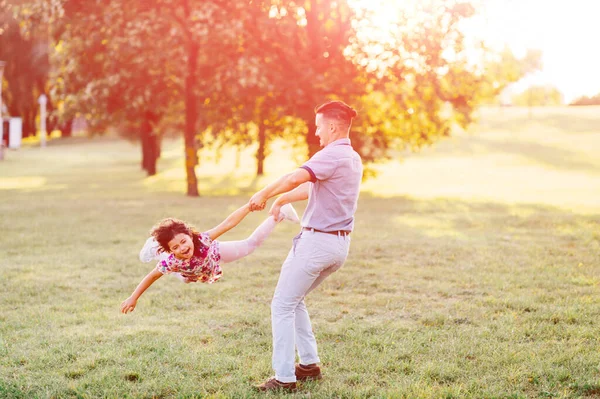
point(309, 372)
point(273, 385)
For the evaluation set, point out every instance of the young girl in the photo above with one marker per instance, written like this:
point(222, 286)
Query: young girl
point(194, 256)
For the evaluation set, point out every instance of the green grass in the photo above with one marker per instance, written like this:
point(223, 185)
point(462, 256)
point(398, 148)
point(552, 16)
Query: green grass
point(473, 272)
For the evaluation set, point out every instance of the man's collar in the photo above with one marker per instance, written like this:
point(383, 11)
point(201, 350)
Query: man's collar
point(342, 141)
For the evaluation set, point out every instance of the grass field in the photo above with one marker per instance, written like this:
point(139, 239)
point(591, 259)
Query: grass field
point(473, 273)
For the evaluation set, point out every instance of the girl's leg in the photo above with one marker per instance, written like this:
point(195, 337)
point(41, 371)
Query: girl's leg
point(149, 251)
point(234, 250)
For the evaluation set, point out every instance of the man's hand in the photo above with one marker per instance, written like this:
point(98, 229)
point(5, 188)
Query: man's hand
point(274, 211)
point(257, 202)
point(128, 305)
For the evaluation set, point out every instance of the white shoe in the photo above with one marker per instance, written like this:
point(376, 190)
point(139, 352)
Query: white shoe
point(287, 212)
point(149, 250)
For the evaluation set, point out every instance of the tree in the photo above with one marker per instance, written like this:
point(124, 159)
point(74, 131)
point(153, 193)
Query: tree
point(292, 58)
point(238, 72)
point(309, 60)
point(585, 100)
point(538, 96)
point(420, 82)
point(504, 68)
point(421, 78)
point(140, 60)
point(411, 87)
point(26, 50)
point(101, 70)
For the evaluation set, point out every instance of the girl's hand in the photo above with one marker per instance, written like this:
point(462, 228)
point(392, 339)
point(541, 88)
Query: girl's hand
point(128, 305)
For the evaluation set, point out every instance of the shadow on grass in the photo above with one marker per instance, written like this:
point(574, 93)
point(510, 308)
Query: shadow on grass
point(117, 180)
point(547, 155)
point(561, 120)
point(551, 156)
point(447, 218)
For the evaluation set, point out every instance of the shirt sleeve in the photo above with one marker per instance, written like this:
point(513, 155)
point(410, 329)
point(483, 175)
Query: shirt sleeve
point(205, 239)
point(321, 166)
point(163, 266)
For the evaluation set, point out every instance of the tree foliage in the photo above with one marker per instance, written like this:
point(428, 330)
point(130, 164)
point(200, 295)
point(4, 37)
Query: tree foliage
point(231, 72)
point(129, 62)
point(536, 96)
point(105, 70)
point(293, 59)
point(316, 66)
point(585, 100)
point(25, 49)
point(419, 80)
point(505, 67)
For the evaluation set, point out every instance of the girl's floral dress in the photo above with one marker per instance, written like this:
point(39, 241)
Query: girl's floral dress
point(203, 266)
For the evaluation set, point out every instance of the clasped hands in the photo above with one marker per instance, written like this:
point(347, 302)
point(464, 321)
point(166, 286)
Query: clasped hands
point(258, 202)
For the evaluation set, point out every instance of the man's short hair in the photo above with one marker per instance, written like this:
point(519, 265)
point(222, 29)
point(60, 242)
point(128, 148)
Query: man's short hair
point(338, 111)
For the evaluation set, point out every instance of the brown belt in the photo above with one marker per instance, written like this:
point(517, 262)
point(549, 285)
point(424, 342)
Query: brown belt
point(336, 232)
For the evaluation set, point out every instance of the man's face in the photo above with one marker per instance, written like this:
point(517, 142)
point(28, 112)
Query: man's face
point(323, 131)
point(182, 246)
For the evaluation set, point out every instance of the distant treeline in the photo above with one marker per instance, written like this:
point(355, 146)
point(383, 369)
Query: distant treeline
point(585, 100)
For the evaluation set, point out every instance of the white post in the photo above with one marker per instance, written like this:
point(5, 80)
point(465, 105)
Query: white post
point(2, 64)
point(43, 100)
point(15, 133)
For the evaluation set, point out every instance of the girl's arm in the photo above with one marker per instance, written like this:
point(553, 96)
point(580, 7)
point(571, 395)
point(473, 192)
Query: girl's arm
point(229, 223)
point(129, 304)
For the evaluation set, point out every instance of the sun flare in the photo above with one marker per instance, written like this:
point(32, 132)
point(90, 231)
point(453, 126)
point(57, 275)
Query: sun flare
point(561, 32)
point(382, 12)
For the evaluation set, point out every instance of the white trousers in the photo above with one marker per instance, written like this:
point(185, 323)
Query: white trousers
point(313, 257)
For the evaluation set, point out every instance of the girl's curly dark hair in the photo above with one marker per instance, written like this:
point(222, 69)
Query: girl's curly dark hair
point(165, 230)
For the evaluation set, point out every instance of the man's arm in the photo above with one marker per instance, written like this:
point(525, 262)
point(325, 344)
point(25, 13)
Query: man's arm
point(300, 193)
point(284, 184)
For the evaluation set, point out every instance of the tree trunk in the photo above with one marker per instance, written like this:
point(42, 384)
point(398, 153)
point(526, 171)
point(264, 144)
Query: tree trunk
point(191, 117)
point(66, 129)
point(29, 122)
point(312, 141)
point(144, 141)
point(238, 158)
point(260, 153)
point(152, 152)
point(158, 146)
point(149, 146)
point(315, 45)
point(530, 103)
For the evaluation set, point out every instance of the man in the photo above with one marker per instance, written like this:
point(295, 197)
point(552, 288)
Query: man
point(330, 180)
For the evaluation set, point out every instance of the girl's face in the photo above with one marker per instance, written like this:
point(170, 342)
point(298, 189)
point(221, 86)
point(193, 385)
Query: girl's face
point(182, 246)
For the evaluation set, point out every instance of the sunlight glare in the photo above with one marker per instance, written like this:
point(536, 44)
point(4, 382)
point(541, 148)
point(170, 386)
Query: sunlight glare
point(383, 12)
point(22, 182)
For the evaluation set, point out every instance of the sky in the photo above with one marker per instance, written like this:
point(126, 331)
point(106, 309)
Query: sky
point(567, 32)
